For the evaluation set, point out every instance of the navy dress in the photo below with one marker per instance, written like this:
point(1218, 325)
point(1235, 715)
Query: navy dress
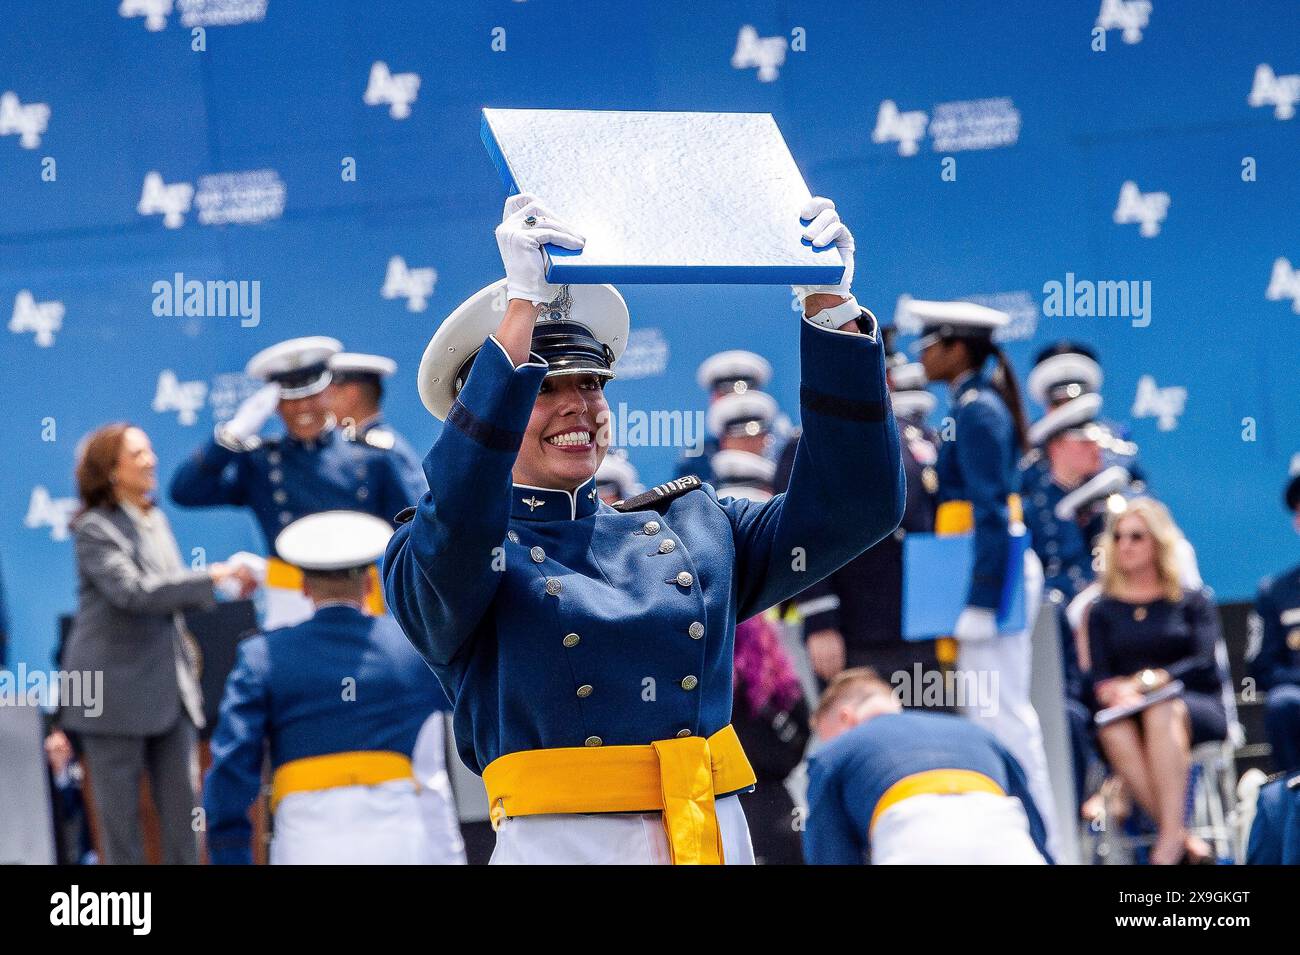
point(1178, 637)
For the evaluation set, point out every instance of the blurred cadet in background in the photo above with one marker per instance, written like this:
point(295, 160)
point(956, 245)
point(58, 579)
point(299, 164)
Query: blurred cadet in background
point(854, 617)
point(1276, 662)
point(340, 700)
point(356, 395)
point(616, 478)
point(311, 468)
point(732, 372)
point(912, 788)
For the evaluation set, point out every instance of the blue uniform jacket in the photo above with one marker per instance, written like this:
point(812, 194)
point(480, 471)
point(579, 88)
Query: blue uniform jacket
point(554, 620)
point(337, 683)
point(979, 466)
point(378, 433)
point(848, 776)
point(284, 479)
point(1062, 545)
point(1278, 607)
point(1275, 833)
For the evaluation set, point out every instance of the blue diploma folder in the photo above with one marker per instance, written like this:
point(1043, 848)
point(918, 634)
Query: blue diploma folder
point(663, 198)
point(936, 581)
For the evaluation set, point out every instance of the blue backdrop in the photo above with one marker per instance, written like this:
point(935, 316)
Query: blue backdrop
point(1044, 129)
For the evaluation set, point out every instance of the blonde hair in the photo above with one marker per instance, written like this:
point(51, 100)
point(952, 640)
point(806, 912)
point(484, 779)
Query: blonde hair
point(1165, 536)
point(848, 688)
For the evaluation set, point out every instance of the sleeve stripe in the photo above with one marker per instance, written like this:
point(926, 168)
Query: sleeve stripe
point(836, 407)
point(483, 432)
point(819, 605)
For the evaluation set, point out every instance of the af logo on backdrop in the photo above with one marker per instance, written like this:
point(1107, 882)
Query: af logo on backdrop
point(171, 201)
point(52, 512)
point(1284, 283)
point(42, 319)
point(1280, 92)
point(27, 121)
point(953, 127)
point(1129, 16)
point(414, 285)
point(1148, 209)
point(183, 397)
point(766, 53)
point(1166, 404)
point(397, 90)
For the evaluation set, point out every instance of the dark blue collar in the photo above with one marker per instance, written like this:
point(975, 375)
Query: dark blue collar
point(543, 504)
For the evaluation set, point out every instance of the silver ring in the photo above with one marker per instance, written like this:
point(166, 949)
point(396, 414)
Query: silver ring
point(530, 221)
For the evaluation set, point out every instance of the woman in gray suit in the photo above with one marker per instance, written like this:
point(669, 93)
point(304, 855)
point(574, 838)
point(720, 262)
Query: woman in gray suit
point(131, 589)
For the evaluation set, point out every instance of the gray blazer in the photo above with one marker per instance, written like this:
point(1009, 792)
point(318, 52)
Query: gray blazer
point(125, 628)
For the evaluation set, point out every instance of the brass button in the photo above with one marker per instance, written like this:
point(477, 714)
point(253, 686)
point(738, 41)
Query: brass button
point(537, 554)
point(696, 630)
point(651, 528)
point(553, 586)
point(584, 691)
point(682, 734)
point(690, 682)
point(684, 579)
point(593, 741)
point(572, 640)
point(667, 546)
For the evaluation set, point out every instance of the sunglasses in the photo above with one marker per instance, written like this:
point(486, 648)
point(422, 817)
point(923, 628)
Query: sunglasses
point(1132, 536)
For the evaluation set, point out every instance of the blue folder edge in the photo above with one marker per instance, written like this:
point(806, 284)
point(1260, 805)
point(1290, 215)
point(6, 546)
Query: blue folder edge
point(936, 579)
point(575, 272)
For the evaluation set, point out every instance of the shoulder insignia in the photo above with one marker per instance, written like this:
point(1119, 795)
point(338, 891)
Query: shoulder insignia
point(380, 438)
point(967, 396)
point(659, 494)
point(404, 516)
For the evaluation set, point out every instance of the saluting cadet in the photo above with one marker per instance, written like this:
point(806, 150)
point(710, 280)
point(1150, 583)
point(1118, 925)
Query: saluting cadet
point(616, 478)
point(978, 485)
point(1275, 831)
point(1276, 665)
point(356, 395)
point(588, 648)
point(912, 788)
point(339, 700)
point(731, 372)
point(311, 468)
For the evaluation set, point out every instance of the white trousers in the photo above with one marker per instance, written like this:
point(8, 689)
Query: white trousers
point(610, 838)
point(960, 829)
point(354, 825)
point(393, 823)
point(1011, 718)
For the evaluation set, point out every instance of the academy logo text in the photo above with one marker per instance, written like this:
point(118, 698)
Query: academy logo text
point(74, 907)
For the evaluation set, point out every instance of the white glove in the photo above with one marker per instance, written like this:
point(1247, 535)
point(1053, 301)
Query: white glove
point(251, 415)
point(976, 623)
point(521, 241)
point(254, 562)
point(825, 229)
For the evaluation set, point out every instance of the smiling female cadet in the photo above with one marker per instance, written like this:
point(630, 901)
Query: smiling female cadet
point(588, 647)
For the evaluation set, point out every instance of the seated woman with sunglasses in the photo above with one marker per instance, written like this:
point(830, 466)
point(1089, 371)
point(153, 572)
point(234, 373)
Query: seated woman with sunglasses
point(1144, 632)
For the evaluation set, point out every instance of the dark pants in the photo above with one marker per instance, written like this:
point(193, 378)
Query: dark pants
point(1282, 721)
point(116, 763)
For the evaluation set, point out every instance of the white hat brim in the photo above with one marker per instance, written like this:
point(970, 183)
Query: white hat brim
point(1061, 368)
point(462, 333)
